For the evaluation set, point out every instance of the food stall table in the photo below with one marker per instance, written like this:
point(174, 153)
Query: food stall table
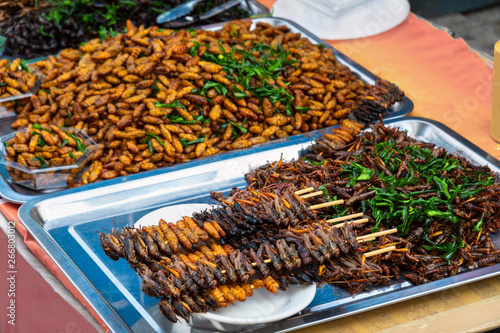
point(448, 83)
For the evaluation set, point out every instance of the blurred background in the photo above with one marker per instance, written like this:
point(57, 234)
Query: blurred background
point(476, 21)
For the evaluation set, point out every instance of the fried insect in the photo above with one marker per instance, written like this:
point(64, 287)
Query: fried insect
point(148, 81)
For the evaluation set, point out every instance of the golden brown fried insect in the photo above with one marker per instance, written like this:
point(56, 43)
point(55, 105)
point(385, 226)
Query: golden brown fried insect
point(219, 297)
point(238, 292)
point(171, 237)
point(181, 236)
point(192, 237)
point(211, 230)
point(270, 284)
point(218, 228)
point(194, 226)
point(228, 294)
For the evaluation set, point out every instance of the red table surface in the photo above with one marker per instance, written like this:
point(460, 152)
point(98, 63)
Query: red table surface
point(38, 308)
point(446, 81)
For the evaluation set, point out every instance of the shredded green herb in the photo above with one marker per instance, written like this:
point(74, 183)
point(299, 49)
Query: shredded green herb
point(302, 109)
point(313, 162)
point(24, 66)
point(186, 143)
point(178, 119)
point(240, 127)
point(323, 189)
point(478, 226)
point(38, 127)
point(392, 206)
point(43, 163)
point(41, 142)
point(356, 173)
point(269, 66)
point(148, 141)
point(68, 118)
point(79, 145)
point(45, 34)
point(64, 143)
point(175, 104)
point(219, 87)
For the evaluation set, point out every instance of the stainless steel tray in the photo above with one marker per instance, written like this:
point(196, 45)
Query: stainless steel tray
point(65, 225)
point(16, 193)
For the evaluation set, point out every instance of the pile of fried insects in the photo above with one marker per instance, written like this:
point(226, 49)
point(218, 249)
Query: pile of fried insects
point(442, 207)
point(154, 97)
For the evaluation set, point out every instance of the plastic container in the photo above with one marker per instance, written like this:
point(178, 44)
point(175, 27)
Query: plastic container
point(29, 93)
point(52, 177)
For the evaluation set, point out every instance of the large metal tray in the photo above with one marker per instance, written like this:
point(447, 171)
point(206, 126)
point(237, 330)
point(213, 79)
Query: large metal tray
point(19, 194)
point(65, 224)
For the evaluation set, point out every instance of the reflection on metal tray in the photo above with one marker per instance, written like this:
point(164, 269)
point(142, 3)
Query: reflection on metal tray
point(18, 194)
point(65, 224)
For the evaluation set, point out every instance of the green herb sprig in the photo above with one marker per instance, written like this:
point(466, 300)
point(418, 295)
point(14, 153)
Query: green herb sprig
point(186, 143)
point(79, 145)
point(148, 141)
point(43, 163)
point(175, 104)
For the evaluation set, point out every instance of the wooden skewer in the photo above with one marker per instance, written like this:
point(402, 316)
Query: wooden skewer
point(376, 234)
point(310, 195)
point(309, 189)
point(327, 204)
point(355, 222)
point(366, 240)
point(345, 217)
point(379, 251)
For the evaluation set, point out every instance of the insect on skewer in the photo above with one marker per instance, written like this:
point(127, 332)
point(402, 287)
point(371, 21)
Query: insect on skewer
point(360, 239)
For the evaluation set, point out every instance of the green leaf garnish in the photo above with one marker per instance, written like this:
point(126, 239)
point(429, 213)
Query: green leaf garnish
point(79, 145)
point(186, 143)
point(313, 162)
point(175, 104)
point(219, 87)
point(24, 66)
point(68, 118)
point(64, 143)
point(38, 127)
point(177, 119)
point(302, 109)
point(45, 34)
point(240, 127)
point(43, 163)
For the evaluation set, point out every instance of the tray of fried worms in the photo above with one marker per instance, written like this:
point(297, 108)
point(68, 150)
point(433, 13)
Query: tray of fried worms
point(154, 98)
point(407, 208)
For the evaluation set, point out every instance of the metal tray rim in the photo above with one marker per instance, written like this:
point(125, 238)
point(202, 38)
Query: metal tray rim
point(114, 322)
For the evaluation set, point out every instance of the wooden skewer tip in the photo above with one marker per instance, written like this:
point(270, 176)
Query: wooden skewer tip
point(310, 195)
point(345, 217)
point(326, 204)
point(379, 251)
point(340, 225)
point(305, 190)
